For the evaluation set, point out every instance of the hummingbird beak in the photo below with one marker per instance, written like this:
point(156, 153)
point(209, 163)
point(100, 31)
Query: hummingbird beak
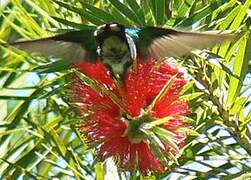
point(119, 82)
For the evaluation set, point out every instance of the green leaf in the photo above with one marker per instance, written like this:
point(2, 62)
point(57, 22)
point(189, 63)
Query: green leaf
point(23, 32)
point(215, 60)
point(229, 18)
point(185, 8)
point(199, 15)
point(99, 13)
point(24, 17)
point(191, 96)
point(120, 18)
point(99, 171)
point(240, 66)
point(156, 145)
point(152, 5)
point(166, 136)
point(239, 18)
point(137, 10)
point(72, 24)
point(88, 16)
point(241, 15)
point(161, 8)
point(47, 18)
point(126, 11)
point(238, 105)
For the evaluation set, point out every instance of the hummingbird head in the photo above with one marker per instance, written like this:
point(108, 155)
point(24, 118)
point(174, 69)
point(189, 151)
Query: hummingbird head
point(113, 48)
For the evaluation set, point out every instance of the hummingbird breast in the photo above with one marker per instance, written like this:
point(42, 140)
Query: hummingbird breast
point(115, 55)
point(116, 48)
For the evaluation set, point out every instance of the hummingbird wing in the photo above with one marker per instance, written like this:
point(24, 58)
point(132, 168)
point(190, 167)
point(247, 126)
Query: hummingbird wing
point(73, 46)
point(162, 42)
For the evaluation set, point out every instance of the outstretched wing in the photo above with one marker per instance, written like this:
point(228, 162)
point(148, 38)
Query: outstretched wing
point(160, 42)
point(72, 46)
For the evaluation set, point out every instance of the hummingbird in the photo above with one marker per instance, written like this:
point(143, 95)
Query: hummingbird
point(118, 46)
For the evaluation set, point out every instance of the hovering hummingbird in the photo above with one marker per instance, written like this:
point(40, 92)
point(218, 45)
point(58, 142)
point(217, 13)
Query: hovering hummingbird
point(118, 47)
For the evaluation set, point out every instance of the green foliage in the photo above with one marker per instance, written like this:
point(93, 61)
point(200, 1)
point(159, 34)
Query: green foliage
point(38, 138)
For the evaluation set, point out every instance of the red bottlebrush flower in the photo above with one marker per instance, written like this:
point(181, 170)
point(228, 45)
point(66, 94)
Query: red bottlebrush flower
point(145, 129)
